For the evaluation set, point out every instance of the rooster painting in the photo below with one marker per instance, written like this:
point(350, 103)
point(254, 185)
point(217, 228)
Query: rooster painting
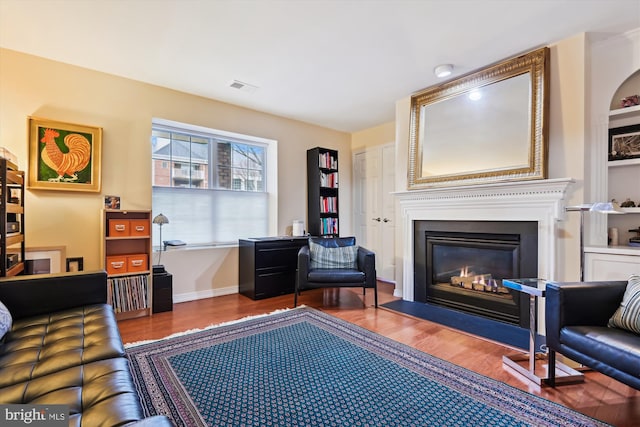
point(66, 163)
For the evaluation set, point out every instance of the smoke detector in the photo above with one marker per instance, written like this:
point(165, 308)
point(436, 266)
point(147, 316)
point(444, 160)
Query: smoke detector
point(245, 87)
point(443, 70)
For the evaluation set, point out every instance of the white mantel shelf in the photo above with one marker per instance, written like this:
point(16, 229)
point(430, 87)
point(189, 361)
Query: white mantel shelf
point(518, 189)
point(543, 201)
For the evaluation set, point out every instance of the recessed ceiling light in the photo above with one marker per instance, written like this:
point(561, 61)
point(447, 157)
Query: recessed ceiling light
point(245, 87)
point(443, 70)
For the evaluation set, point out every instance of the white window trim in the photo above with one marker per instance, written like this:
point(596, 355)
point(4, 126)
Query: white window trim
point(272, 160)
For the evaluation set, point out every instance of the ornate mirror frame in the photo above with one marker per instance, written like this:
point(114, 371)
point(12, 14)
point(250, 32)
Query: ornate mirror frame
point(451, 144)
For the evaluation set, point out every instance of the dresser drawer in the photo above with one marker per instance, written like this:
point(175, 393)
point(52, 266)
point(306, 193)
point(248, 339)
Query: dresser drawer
point(277, 255)
point(273, 283)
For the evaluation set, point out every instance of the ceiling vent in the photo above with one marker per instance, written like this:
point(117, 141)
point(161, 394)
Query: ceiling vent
point(245, 87)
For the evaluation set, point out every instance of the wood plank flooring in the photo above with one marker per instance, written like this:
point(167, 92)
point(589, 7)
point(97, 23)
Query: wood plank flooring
point(599, 396)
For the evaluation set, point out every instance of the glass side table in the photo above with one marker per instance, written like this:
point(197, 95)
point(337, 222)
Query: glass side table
point(535, 288)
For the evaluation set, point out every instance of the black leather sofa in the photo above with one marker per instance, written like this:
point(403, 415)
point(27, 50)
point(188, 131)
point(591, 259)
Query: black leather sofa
point(576, 325)
point(64, 348)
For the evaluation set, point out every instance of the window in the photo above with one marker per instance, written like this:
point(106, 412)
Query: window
point(214, 187)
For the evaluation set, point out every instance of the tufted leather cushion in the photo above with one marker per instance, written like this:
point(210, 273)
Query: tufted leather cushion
point(44, 344)
point(98, 393)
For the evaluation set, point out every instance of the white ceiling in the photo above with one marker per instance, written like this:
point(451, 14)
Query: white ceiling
point(337, 64)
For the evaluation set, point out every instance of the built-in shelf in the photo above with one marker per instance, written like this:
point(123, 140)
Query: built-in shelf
point(627, 162)
point(631, 210)
point(624, 111)
point(613, 250)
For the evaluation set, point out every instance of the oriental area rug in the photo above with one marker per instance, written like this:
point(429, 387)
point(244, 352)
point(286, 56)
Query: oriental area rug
point(302, 367)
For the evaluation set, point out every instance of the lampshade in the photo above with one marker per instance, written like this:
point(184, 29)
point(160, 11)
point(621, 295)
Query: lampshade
point(607, 207)
point(160, 219)
point(602, 207)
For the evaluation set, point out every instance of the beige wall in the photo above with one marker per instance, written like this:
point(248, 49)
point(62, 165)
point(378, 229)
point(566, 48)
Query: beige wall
point(33, 86)
point(567, 136)
point(378, 135)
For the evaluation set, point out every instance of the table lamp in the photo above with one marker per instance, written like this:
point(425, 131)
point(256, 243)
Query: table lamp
point(160, 219)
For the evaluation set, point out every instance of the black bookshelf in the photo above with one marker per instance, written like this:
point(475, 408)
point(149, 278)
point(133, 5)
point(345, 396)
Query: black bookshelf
point(322, 192)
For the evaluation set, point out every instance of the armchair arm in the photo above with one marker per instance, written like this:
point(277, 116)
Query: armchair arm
point(304, 261)
point(580, 303)
point(367, 264)
point(27, 296)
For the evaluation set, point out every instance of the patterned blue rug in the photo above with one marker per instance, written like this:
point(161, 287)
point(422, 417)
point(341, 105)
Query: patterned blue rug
point(303, 367)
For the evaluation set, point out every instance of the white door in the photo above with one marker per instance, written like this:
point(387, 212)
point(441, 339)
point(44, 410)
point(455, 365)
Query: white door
point(374, 180)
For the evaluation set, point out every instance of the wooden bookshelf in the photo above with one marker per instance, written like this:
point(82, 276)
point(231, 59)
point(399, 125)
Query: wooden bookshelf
point(127, 259)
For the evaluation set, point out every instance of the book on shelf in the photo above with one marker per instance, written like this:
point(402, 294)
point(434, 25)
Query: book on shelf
point(327, 161)
point(329, 204)
point(329, 225)
point(329, 180)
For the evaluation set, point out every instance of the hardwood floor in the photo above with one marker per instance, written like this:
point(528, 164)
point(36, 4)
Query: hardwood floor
point(599, 396)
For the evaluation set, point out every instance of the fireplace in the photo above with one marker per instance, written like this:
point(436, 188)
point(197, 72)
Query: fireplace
point(461, 265)
point(537, 201)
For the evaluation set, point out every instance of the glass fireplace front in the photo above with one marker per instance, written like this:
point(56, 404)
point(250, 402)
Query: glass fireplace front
point(462, 266)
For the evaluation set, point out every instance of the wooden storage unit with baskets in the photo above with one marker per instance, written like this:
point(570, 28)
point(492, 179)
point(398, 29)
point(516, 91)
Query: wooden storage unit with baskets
point(127, 260)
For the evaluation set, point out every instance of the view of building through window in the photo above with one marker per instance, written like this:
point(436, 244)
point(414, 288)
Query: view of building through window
point(183, 160)
point(210, 186)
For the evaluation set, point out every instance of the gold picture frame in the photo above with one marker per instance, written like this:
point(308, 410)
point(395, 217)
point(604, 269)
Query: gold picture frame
point(487, 126)
point(64, 156)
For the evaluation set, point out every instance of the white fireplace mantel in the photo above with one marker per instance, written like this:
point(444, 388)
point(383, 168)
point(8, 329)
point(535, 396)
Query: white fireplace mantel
point(540, 200)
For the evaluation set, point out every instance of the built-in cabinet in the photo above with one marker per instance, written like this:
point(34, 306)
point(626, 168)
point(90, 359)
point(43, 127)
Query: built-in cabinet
point(322, 192)
point(126, 257)
point(624, 175)
point(617, 260)
point(611, 263)
point(11, 219)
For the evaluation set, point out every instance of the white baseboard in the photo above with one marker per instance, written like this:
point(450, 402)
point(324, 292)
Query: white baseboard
point(209, 293)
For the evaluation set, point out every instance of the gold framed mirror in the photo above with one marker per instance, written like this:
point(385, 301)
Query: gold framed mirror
point(486, 126)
